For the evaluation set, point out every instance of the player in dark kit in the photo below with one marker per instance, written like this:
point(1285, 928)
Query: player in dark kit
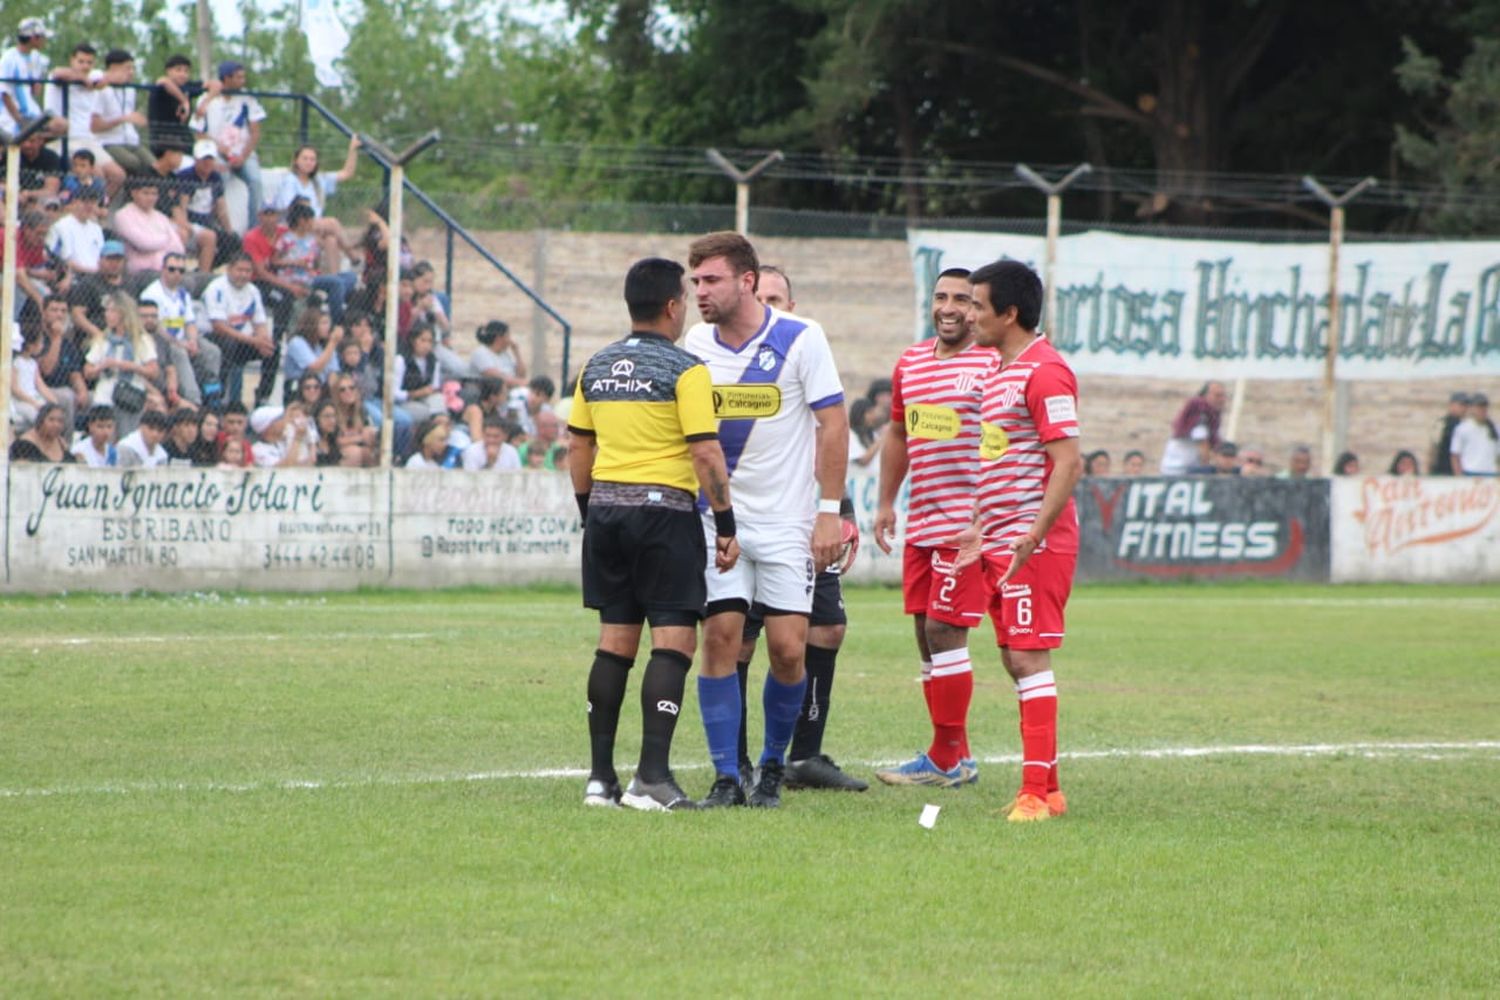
point(644, 441)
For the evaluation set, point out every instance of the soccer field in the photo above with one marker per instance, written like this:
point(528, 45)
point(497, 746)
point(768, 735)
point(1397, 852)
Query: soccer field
point(1274, 789)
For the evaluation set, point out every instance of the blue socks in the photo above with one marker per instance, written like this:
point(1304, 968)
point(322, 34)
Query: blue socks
point(719, 704)
point(782, 704)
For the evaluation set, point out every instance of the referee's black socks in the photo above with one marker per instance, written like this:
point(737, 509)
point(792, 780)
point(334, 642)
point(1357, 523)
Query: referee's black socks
point(807, 738)
point(661, 703)
point(607, 682)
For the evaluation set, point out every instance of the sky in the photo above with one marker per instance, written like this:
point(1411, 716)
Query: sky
point(228, 22)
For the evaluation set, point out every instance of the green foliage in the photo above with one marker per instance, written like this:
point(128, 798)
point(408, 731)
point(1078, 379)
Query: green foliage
point(1460, 148)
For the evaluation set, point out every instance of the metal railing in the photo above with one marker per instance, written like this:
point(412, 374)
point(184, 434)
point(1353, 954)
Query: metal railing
point(454, 231)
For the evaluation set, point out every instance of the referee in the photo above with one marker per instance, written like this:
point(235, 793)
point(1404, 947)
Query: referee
point(644, 440)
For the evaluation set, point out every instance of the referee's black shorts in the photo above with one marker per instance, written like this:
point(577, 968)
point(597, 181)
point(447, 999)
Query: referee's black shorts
point(644, 563)
point(827, 606)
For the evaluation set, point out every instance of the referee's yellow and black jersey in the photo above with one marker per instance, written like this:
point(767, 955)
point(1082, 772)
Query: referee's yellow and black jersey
point(644, 399)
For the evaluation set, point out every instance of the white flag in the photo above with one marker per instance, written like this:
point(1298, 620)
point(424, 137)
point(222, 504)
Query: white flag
point(326, 40)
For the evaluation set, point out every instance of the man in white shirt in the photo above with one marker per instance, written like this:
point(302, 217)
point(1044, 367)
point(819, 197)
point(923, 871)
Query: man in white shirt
point(240, 328)
point(492, 451)
point(80, 83)
point(142, 446)
point(1475, 449)
point(232, 118)
point(286, 437)
point(77, 237)
point(96, 448)
point(19, 102)
point(179, 322)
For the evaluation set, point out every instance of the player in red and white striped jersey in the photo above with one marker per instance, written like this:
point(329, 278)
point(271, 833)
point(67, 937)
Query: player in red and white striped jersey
point(1025, 533)
point(934, 432)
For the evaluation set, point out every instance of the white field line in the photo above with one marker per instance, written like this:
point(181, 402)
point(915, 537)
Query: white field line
point(1408, 751)
point(37, 641)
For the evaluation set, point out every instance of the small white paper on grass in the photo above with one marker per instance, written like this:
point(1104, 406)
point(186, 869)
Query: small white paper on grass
point(928, 817)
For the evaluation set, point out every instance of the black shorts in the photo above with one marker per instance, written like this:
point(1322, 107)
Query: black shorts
point(827, 606)
point(644, 564)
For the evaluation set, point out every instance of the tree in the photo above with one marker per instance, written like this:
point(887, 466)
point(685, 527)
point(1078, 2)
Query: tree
point(1458, 146)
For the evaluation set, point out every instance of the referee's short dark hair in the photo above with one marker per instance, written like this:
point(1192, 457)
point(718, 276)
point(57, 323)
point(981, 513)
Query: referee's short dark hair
point(649, 285)
point(1012, 283)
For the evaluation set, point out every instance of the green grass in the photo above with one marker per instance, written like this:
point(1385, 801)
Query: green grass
point(335, 797)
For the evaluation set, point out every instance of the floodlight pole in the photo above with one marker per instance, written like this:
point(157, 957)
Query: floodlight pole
point(742, 179)
point(397, 163)
point(1054, 228)
point(12, 144)
point(1332, 438)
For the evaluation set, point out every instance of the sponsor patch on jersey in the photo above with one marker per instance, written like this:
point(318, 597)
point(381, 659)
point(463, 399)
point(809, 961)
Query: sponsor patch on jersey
point(1061, 409)
point(992, 441)
point(742, 402)
point(934, 423)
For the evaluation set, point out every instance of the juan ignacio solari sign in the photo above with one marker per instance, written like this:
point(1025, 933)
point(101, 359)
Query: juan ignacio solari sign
point(1208, 308)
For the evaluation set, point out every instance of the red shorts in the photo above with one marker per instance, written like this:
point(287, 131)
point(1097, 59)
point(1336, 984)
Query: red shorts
point(931, 587)
point(1028, 611)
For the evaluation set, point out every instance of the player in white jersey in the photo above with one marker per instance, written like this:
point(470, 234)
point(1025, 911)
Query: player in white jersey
point(786, 441)
point(934, 432)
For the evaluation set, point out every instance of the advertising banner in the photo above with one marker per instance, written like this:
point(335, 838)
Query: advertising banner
point(1203, 527)
point(1199, 309)
point(1408, 528)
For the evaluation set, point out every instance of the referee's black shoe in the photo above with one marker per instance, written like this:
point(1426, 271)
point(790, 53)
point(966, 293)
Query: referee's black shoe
point(820, 771)
point(767, 793)
point(726, 791)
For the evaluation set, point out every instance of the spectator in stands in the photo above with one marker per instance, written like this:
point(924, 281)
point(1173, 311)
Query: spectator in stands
point(61, 361)
point(325, 421)
point(1097, 464)
point(309, 391)
point(375, 245)
point(234, 436)
point(1195, 431)
point(1224, 461)
point(46, 441)
point(201, 188)
point(21, 102)
point(286, 436)
point(1298, 463)
point(368, 370)
point(182, 436)
point(179, 320)
point(116, 120)
point(419, 389)
point(77, 238)
point(864, 442)
point(28, 393)
point(169, 105)
point(427, 307)
point(296, 263)
point(97, 446)
point(147, 233)
point(41, 173)
point(206, 446)
point(1253, 462)
point(303, 181)
point(543, 442)
point(1134, 463)
point(432, 451)
point(524, 407)
point(86, 300)
point(491, 450)
point(497, 356)
point(491, 404)
point(1442, 452)
point(143, 446)
point(357, 439)
point(1404, 463)
point(37, 275)
point(121, 361)
point(231, 118)
point(84, 180)
point(1476, 442)
point(240, 328)
point(78, 84)
point(312, 349)
point(178, 384)
point(1347, 464)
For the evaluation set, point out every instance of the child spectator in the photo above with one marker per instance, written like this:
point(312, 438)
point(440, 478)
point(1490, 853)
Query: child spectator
point(231, 118)
point(97, 447)
point(491, 449)
point(287, 436)
point(143, 446)
point(28, 393)
point(312, 349)
point(543, 442)
point(147, 233)
point(46, 441)
point(182, 437)
point(295, 262)
point(77, 238)
point(82, 181)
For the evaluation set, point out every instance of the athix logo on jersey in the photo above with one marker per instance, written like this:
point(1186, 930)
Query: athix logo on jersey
point(624, 368)
point(669, 707)
point(766, 359)
point(622, 379)
point(934, 423)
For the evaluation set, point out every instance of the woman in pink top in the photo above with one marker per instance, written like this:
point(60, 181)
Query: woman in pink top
point(148, 234)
